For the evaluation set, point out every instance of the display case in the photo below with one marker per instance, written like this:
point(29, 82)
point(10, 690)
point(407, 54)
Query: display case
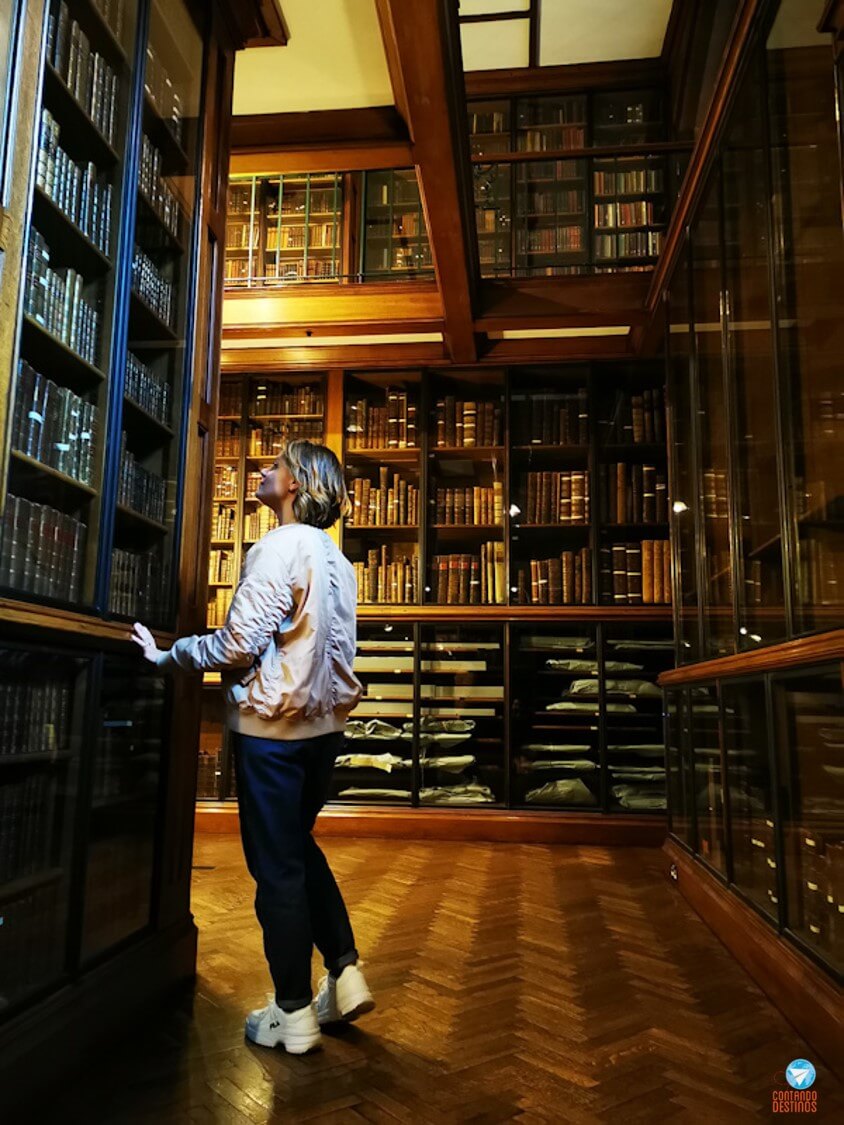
point(394, 238)
point(708, 778)
point(493, 191)
point(679, 778)
point(42, 708)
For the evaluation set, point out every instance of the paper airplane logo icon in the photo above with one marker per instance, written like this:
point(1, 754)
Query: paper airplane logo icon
point(800, 1074)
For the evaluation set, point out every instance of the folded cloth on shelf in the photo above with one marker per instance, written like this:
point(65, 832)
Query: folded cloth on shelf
point(470, 794)
point(626, 687)
point(564, 791)
point(549, 644)
point(443, 726)
point(571, 665)
point(385, 762)
point(390, 794)
point(570, 705)
point(375, 728)
point(623, 646)
point(575, 765)
point(556, 748)
point(619, 773)
point(643, 801)
point(645, 749)
point(451, 764)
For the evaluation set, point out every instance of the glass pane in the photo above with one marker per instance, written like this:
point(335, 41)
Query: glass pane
point(680, 786)
point(750, 792)
point(493, 211)
point(52, 515)
point(41, 730)
point(810, 732)
point(466, 562)
point(127, 765)
point(633, 715)
point(746, 248)
point(550, 493)
point(549, 124)
point(212, 735)
point(377, 765)
point(551, 217)
point(712, 428)
point(461, 725)
point(555, 732)
point(708, 783)
point(489, 127)
point(809, 264)
point(683, 503)
point(244, 263)
point(383, 476)
point(627, 117)
point(144, 545)
point(395, 237)
point(629, 213)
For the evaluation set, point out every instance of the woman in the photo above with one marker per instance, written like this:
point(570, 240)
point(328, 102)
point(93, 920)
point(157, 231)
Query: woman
point(286, 654)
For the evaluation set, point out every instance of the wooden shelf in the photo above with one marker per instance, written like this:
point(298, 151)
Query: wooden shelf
point(468, 452)
point(151, 329)
point(140, 414)
point(175, 159)
point(169, 240)
point(68, 243)
point(17, 887)
point(137, 518)
point(48, 352)
point(81, 138)
point(75, 489)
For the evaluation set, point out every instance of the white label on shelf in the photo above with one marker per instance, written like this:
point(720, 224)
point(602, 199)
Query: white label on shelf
point(35, 416)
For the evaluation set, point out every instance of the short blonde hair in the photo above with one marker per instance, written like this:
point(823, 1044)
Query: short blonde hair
point(322, 496)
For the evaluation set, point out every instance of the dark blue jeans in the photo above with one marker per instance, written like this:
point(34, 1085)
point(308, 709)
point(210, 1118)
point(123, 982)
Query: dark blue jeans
point(281, 786)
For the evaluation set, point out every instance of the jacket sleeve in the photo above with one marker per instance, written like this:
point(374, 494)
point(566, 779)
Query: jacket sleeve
point(262, 600)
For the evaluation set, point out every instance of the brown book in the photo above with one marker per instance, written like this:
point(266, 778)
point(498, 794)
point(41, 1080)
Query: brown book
point(555, 581)
point(661, 498)
point(442, 595)
point(648, 494)
point(605, 574)
point(568, 577)
point(636, 492)
point(638, 419)
point(658, 598)
point(585, 559)
point(634, 574)
point(666, 574)
point(578, 497)
point(364, 502)
point(534, 581)
point(441, 422)
point(556, 483)
point(621, 492)
point(500, 585)
point(582, 417)
point(450, 430)
point(648, 571)
point(522, 597)
point(543, 581)
point(545, 498)
point(530, 498)
point(475, 581)
point(648, 415)
point(470, 415)
point(383, 473)
point(619, 573)
point(565, 498)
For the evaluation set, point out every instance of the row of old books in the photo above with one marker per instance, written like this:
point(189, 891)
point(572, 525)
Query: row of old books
point(392, 426)
point(165, 95)
point(474, 506)
point(636, 418)
point(386, 504)
point(30, 955)
point(821, 572)
point(632, 244)
point(54, 299)
point(218, 607)
point(225, 482)
point(207, 775)
point(258, 523)
point(826, 414)
point(489, 121)
point(85, 72)
point(27, 814)
point(715, 494)
point(636, 573)
point(467, 579)
point(223, 523)
point(220, 566)
point(636, 214)
point(634, 493)
point(228, 440)
point(34, 716)
point(461, 423)
point(560, 239)
point(152, 286)
point(241, 235)
point(147, 389)
point(53, 425)
point(388, 576)
point(557, 419)
point(552, 498)
point(76, 189)
point(41, 551)
point(271, 398)
point(269, 439)
point(138, 581)
point(820, 891)
point(562, 201)
point(230, 395)
point(543, 140)
point(646, 180)
point(156, 190)
point(138, 488)
point(564, 579)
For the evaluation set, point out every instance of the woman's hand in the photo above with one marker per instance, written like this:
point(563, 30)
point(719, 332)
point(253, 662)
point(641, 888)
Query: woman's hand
point(146, 642)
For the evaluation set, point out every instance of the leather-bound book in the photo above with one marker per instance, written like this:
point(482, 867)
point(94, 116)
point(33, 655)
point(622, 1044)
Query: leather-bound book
point(619, 573)
point(648, 494)
point(621, 492)
point(634, 574)
point(648, 571)
point(555, 581)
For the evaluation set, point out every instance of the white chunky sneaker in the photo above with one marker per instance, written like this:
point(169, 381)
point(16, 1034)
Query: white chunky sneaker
point(346, 998)
point(297, 1031)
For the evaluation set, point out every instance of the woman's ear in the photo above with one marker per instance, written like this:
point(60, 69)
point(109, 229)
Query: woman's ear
point(293, 486)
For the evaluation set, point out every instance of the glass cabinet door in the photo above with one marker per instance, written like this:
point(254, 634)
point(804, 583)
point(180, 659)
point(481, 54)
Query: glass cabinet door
point(711, 409)
point(395, 238)
point(53, 510)
point(132, 734)
point(160, 308)
point(493, 217)
point(748, 317)
point(809, 260)
point(809, 710)
point(679, 781)
point(555, 717)
point(461, 715)
point(708, 781)
point(377, 765)
point(750, 793)
point(41, 730)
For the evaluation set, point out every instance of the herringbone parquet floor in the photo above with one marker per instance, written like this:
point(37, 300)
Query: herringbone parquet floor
point(539, 984)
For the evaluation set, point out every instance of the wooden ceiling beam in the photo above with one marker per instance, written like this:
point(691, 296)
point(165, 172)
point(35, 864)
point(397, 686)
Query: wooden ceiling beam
point(258, 132)
point(422, 44)
point(618, 74)
point(324, 357)
point(590, 301)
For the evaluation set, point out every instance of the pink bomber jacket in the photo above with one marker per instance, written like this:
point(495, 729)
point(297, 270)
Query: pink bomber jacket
point(287, 649)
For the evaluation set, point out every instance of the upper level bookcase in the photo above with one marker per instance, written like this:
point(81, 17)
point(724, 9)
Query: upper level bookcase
point(593, 200)
point(394, 238)
point(96, 436)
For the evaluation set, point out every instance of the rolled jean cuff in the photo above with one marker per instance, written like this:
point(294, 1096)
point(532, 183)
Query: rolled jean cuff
point(294, 1005)
point(336, 967)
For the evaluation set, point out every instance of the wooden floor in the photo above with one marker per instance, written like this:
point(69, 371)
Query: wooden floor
point(514, 982)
